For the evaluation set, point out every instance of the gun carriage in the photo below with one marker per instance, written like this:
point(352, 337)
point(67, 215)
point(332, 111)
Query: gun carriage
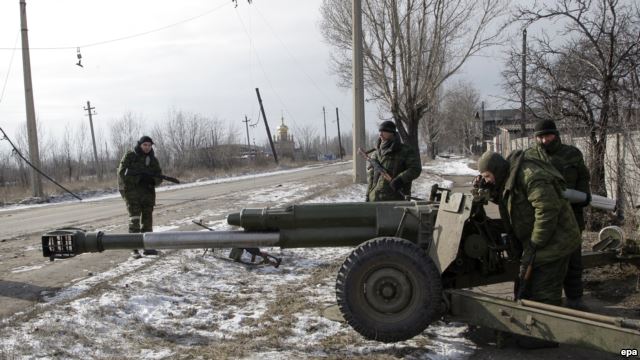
point(413, 264)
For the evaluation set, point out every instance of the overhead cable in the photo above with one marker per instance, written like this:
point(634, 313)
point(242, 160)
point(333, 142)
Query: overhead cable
point(127, 37)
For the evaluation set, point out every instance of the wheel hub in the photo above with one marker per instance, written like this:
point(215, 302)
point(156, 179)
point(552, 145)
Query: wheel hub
point(388, 290)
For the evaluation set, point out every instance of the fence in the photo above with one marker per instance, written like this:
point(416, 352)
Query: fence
point(622, 162)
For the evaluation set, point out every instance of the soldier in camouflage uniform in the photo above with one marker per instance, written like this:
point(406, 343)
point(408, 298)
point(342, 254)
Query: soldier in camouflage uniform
point(529, 197)
point(400, 161)
point(568, 160)
point(138, 187)
point(528, 191)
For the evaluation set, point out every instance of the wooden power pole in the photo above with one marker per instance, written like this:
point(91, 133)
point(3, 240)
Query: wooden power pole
point(32, 128)
point(246, 124)
point(90, 112)
point(339, 138)
point(266, 124)
point(324, 119)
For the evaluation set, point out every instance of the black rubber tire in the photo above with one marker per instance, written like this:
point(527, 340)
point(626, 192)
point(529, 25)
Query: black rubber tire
point(388, 289)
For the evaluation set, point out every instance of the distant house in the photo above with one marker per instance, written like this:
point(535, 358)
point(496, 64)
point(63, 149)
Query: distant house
point(508, 137)
point(496, 119)
point(501, 126)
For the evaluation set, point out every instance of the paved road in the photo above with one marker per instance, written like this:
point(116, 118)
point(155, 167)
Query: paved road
point(21, 223)
point(20, 231)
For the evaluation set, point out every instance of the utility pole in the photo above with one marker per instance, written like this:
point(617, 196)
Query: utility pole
point(359, 175)
point(32, 129)
point(90, 112)
point(246, 124)
point(324, 118)
point(484, 144)
point(480, 116)
point(266, 124)
point(339, 139)
point(523, 110)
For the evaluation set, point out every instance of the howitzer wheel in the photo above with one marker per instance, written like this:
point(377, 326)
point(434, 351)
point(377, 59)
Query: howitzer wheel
point(389, 290)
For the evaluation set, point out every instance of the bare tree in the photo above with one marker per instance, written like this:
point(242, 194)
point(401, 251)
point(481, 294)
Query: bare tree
point(22, 145)
point(124, 133)
point(6, 168)
point(81, 142)
point(65, 153)
point(459, 106)
point(411, 47)
point(581, 76)
point(232, 134)
point(306, 136)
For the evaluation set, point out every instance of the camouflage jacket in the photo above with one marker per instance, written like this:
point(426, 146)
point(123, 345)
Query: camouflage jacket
point(136, 161)
point(569, 162)
point(401, 161)
point(535, 210)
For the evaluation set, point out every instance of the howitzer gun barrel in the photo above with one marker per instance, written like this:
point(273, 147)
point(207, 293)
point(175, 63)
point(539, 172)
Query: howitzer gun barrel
point(204, 239)
point(296, 226)
point(70, 242)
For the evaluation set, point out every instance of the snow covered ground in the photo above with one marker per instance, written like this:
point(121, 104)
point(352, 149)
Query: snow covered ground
point(187, 304)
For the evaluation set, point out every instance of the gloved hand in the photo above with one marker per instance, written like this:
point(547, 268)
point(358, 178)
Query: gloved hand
point(477, 181)
point(396, 183)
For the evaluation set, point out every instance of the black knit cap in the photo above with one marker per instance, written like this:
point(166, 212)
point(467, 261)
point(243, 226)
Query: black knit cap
point(388, 126)
point(145, 139)
point(544, 127)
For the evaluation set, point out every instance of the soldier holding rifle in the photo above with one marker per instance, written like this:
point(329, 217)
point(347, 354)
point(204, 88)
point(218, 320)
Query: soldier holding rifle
point(399, 166)
point(137, 181)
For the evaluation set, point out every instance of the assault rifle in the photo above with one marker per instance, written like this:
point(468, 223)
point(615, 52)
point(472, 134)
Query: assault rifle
point(379, 168)
point(129, 172)
point(266, 257)
point(522, 282)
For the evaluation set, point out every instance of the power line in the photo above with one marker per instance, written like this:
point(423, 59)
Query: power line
point(17, 152)
point(6, 78)
point(127, 37)
point(294, 58)
point(265, 73)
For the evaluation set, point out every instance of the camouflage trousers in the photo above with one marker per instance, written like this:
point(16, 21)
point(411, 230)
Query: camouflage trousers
point(140, 209)
point(545, 284)
point(573, 280)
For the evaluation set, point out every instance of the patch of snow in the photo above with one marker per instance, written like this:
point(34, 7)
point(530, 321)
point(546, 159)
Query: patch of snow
point(20, 269)
point(162, 307)
point(450, 166)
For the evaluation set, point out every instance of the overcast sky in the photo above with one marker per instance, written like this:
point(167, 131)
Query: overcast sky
point(208, 65)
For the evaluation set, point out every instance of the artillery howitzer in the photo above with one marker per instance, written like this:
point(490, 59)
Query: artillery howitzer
point(411, 264)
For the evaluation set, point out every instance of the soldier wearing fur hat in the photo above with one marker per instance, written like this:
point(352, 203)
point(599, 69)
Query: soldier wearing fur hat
point(398, 159)
point(568, 160)
point(138, 187)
